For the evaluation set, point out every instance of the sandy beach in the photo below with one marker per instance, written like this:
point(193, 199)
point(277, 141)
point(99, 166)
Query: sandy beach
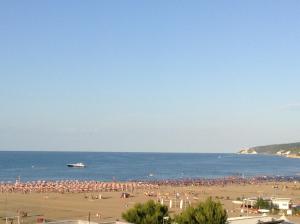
point(108, 205)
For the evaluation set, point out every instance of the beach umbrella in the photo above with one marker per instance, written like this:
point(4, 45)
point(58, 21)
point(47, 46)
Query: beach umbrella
point(181, 204)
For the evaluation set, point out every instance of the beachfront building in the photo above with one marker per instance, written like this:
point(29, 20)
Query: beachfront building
point(258, 219)
point(282, 203)
point(249, 202)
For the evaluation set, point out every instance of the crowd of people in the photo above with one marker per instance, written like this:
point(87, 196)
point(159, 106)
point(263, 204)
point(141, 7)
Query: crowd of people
point(76, 186)
point(72, 186)
point(226, 180)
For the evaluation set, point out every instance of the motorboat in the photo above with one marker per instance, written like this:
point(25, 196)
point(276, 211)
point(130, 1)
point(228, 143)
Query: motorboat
point(76, 165)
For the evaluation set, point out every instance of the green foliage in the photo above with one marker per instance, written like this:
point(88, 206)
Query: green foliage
point(262, 204)
point(274, 209)
point(148, 213)
point(272, 149)
point(265, 204)
point(208, 212)
point(296, 211)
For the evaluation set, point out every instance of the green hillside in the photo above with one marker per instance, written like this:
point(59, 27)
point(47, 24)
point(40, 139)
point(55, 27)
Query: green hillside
point(294, 148)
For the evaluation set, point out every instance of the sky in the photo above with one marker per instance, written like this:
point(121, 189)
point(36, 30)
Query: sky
point(161, 76)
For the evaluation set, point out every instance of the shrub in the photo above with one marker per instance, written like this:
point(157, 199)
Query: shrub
point(262, 204)
point(208, 212)
point(266, 204)
point(296, 211)
point(148, 213)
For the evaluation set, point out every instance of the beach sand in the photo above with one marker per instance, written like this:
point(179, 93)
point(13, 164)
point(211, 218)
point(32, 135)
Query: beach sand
point(56, 206)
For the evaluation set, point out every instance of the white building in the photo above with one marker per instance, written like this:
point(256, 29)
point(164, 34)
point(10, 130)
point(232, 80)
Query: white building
point(249, 202)
point(287, 153)
point(280, 152)
point(257, 219)
point(282, 203)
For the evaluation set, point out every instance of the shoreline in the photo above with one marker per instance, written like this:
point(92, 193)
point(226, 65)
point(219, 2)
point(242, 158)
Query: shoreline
point(87, 186)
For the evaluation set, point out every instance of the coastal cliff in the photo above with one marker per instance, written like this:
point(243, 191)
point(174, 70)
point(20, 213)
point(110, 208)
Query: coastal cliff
point(289, 150)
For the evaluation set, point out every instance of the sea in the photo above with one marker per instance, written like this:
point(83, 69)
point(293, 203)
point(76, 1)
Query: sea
point(121, 166)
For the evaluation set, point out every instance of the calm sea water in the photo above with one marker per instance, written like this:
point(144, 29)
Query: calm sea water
point(139, 166)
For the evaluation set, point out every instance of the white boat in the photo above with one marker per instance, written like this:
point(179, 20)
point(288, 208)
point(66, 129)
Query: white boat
point(76, 165)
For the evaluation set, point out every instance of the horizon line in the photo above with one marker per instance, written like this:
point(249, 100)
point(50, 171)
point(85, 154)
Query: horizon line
point(104, 151)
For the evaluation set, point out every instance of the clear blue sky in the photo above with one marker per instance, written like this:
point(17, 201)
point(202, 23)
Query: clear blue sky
point(173, 76)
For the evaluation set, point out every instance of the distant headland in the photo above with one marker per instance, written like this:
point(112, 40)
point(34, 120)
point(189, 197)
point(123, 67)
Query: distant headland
point(291, 150)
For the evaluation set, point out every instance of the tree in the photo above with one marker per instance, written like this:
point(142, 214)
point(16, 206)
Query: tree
point(266, 204)
point(208, 212)
point(148, 213)
point(262, 204)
